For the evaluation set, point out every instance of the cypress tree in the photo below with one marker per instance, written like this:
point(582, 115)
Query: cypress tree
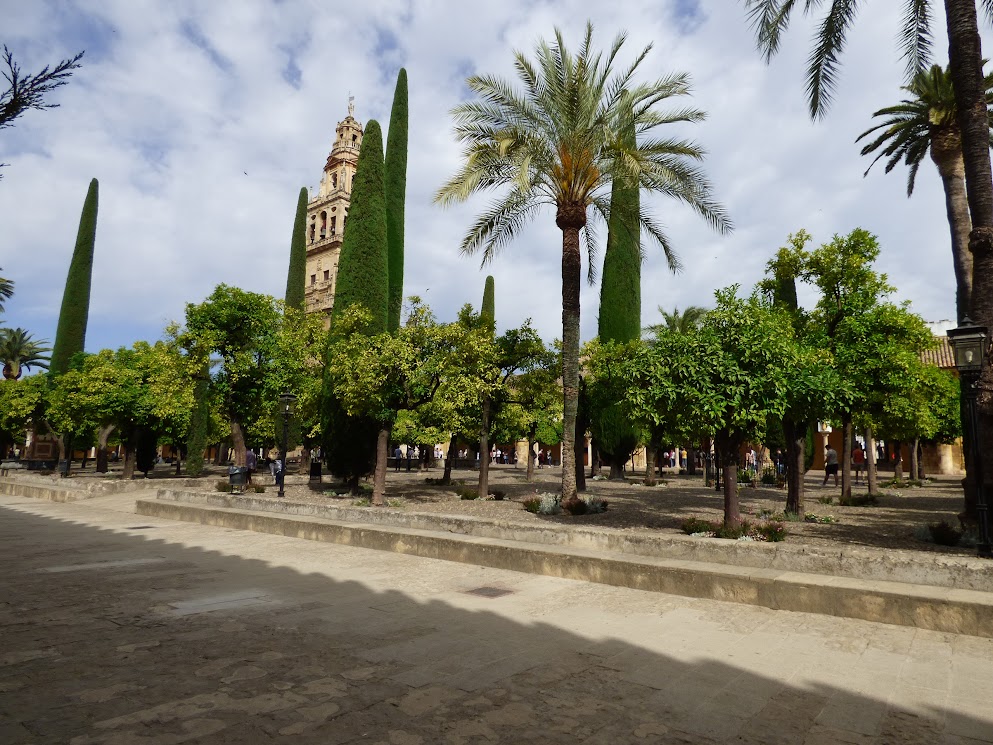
point(363, 276)
point(350, 442)
point(396, 196)
point(70, 337)
point(296, 276)
point(487, 317)
point(196, 438)
point(620, 310)
point(487, 311)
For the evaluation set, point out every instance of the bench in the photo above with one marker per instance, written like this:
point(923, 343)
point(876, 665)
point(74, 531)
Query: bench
point(10, 465)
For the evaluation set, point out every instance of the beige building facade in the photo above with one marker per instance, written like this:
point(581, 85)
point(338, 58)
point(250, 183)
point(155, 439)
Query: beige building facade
point(327, 213)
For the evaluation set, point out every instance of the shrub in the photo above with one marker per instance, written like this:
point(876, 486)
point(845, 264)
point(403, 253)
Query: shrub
point(857, 500)
point(532, 504)
point(944, 534)
point(498, 495)
point(810, 517)
point(826, 500)
point(466, 492)
point(923, 533)
point(770, 531)
point(395, 503)
point(769, 476)
point(258, 488)
point(595, 505)
point(744, 477)
point(574, 506)
point(361, 502)
point(696, 525)
point(549, 504)
point(223, 486)
point(789, 517)
point(723, 530)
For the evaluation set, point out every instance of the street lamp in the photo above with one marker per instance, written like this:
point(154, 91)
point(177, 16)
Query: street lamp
point(969, 347)
point(286, 402)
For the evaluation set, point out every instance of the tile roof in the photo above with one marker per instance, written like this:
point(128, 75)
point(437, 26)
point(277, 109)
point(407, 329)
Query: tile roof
point(941, 355)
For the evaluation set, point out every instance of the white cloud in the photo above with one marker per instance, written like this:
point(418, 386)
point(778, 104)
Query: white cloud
point(202, 120)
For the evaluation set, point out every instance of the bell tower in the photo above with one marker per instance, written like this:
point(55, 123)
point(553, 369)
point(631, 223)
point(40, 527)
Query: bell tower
point(327, 214)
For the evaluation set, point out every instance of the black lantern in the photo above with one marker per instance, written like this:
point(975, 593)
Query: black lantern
point(286, 402)
point(969, 346)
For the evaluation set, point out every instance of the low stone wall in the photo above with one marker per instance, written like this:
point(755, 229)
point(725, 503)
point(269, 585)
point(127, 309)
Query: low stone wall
point(923, 568)
point(935, 608)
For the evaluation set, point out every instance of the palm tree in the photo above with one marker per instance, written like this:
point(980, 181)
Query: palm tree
point(560, 143)
point(19, 352)
point(6, 290)
point(927, 123)
point(770, 19)
point(681, 323)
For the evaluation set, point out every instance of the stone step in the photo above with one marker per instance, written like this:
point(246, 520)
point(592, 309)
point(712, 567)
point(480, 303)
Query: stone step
point(953, 610)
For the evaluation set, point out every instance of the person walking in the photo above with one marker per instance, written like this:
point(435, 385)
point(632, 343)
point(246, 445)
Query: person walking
point(397, 458)
point(830, 464)
point(858, 462)
point(251, 463)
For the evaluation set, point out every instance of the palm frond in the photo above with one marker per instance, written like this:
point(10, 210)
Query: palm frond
point(915, 36)
point(769, 19)
point(822, 65)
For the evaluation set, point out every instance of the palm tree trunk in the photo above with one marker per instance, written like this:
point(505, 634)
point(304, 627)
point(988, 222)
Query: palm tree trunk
point(871, 476)
point(966, 65)
point(946, 152)
point(379, 475)
point(570, 218)
point(796, 444)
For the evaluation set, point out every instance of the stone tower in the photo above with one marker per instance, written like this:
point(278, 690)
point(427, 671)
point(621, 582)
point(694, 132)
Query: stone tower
point(327, 213)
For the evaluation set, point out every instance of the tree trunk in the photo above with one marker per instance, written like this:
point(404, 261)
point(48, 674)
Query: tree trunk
point(846, 455)
point(897, 461)
point(920, 462)
point(570, 218)
point(303, 467)
point(450, 460)
point(130, 443)
point(946, 153)
point(103, 434)
point(914, 463)
point(649, 465)
point(379, 475)
point(222, 454)
point(238, 444)
point(484, 451)
point(729, 461)
point(796, 444)
point(871, 476)
point(595, 459)
point(579, 452)
point(965, 58)
point(531, 435)
point(616, 467)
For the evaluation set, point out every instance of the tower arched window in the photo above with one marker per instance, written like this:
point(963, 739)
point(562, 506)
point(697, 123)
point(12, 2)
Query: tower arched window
point(334, 180)
point(333, 219)
point(313, 229)
point(324, 224)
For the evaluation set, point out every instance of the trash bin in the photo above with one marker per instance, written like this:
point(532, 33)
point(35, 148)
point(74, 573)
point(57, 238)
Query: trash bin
point(315, 470)
point(238, 477)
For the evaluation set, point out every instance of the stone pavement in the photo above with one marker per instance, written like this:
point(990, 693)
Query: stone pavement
point(118, 628)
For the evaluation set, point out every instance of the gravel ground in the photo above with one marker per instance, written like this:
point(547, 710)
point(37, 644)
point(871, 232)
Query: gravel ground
point(888, 524)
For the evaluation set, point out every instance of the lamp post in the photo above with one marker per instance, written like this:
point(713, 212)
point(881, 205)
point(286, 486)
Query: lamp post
point(286, 402)
point(969, 347)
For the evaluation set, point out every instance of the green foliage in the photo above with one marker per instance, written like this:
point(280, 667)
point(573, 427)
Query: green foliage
point(70, 336)
point(19, 352)
point(532, 504)
point(595, 504)
point(363, 273)
point(296, 275)
point(574, 506)
point(487, 311)
point(196, 442)
point(145, 450)
point(21, 405)
point(620, 288)
point(395, 190)
point(771, 531)
point(810, 517)
point(223, 486)
point(467, 493)
point(696, 525)
point(769, 476)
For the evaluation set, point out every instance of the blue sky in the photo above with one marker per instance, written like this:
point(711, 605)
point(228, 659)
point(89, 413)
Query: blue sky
point(203, 119)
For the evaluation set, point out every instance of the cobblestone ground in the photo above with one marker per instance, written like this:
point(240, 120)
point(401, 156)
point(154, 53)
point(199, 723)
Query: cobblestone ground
point(121, 629)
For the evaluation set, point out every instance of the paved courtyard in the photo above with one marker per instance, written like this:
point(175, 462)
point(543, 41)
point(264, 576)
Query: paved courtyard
point(122, 629)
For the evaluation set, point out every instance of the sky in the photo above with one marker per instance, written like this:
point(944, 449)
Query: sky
point(202, 120)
